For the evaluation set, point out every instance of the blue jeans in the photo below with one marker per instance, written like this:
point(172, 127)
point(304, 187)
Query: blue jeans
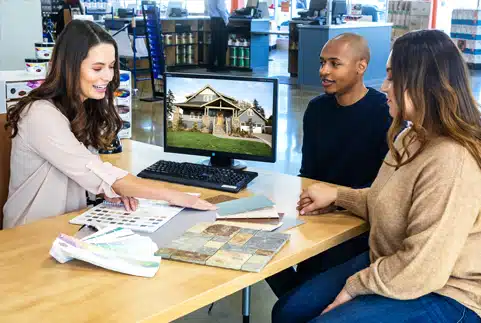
point(306, 303)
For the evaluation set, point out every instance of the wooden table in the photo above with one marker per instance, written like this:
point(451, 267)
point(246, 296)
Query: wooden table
point(34, 287)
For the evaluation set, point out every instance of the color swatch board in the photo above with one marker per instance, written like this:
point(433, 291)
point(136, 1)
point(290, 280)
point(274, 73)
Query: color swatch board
point(149, 216)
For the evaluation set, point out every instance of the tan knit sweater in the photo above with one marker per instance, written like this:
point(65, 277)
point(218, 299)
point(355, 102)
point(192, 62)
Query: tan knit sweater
point(425, 223)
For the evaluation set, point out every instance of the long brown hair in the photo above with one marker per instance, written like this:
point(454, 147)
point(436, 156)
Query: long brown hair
point(93, 122)
point(429, 68)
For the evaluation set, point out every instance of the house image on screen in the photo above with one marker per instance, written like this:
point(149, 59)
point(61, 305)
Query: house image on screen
point(217, 113)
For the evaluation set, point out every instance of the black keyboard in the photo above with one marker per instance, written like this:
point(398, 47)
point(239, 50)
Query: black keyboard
point(217, 178)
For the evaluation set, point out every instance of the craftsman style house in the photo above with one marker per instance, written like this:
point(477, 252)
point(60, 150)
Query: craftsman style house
point(217, 113)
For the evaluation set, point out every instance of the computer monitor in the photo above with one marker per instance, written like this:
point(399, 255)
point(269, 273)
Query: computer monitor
point(264, 9)
point(317, 5)
point(339, 8)
point(252, 3)
point(173, 5)
point(224, 117)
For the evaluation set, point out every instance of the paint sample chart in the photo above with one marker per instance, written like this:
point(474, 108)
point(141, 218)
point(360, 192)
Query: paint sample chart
point(149, 216)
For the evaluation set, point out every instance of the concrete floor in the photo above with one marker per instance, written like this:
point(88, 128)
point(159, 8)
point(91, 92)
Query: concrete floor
point(147, 127)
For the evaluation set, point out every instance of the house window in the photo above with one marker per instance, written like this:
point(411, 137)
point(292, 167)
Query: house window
point(208, 97)
point(258, 125)
point(250, 113)
point(192, 115)
point(199, 115)
point(243, 124)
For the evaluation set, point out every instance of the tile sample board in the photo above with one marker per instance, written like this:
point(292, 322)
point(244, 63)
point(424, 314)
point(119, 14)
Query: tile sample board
point(225, 246)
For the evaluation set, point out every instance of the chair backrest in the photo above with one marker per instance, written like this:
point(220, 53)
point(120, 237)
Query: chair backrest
point(5, 148)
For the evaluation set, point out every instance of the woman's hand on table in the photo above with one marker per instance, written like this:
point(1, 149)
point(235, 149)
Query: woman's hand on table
point(130, 203)
point(317, 199)
point(190, 201)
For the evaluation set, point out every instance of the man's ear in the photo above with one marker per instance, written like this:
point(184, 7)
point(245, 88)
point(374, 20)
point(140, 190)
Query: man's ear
point(362, 66)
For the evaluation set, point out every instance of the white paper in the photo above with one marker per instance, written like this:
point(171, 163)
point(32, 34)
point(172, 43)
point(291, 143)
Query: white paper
point(133, 256)
point(266, 213)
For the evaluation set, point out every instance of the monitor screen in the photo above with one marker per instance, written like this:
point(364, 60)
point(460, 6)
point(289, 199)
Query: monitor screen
point(339, 7)
point(317, 5)
point(214, 115)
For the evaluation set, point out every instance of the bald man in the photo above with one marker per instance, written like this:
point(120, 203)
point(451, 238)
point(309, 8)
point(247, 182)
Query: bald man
point(345, 133)
point(345, 129)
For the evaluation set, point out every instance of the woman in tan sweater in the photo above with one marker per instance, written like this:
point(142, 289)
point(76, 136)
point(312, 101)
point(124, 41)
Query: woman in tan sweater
point(424, 207)
point(58, 128)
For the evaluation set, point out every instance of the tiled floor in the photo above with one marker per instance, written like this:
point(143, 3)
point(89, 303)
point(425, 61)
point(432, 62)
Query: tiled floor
point(147, 127)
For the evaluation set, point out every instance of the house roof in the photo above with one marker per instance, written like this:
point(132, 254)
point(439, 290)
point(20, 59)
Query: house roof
point(187, 105)
point(260, 115)
point(221, 98)
point(208, 87)
point(201, 105)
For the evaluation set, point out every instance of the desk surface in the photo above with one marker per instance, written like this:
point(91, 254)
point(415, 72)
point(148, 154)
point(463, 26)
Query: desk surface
point(35, 287)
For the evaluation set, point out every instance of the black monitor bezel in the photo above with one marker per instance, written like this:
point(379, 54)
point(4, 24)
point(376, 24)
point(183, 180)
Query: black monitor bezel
point(201, 152)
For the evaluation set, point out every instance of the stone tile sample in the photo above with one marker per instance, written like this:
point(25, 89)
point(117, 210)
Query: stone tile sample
point(214, 244)
point(207, 251)
point(192, 257)
point(230, 247)
point(255, 263)
point(199, 227)
point(240, 238)
point(251, 231)
point(265, 243)
point(262, 252)
point(165, 252)
point(228, 259)
point(225, 246)
point(221, 230)
point(273, 235)
point(220, 239)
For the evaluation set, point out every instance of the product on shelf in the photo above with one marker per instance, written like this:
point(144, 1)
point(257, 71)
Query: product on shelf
point(36, 66)
point(241, 52)
point(44, 50)
point(240, 62)
point(408, 15)
point(239, 56)
point(123, 102)
point(466, 34)
point(238, 40)
point(178, 39)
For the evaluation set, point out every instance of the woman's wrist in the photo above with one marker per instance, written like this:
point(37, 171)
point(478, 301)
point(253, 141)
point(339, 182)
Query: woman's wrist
point(335, 195)
point(167, 194)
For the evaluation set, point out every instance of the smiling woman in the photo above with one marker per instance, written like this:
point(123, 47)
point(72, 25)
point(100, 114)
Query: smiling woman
point(56, 128)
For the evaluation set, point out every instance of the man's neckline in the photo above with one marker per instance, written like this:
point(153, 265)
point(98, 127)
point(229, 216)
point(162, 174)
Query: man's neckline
point(338, 105)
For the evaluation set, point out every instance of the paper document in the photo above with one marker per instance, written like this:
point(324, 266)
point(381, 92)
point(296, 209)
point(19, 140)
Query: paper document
point(266, 213)
point(243, 205)
point(112, 248)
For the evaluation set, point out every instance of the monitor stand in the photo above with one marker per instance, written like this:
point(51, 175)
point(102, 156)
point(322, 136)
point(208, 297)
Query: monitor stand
point(216, 161)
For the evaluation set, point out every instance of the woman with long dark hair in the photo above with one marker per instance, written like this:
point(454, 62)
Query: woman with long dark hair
point(58, 127)
point(424, 208)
